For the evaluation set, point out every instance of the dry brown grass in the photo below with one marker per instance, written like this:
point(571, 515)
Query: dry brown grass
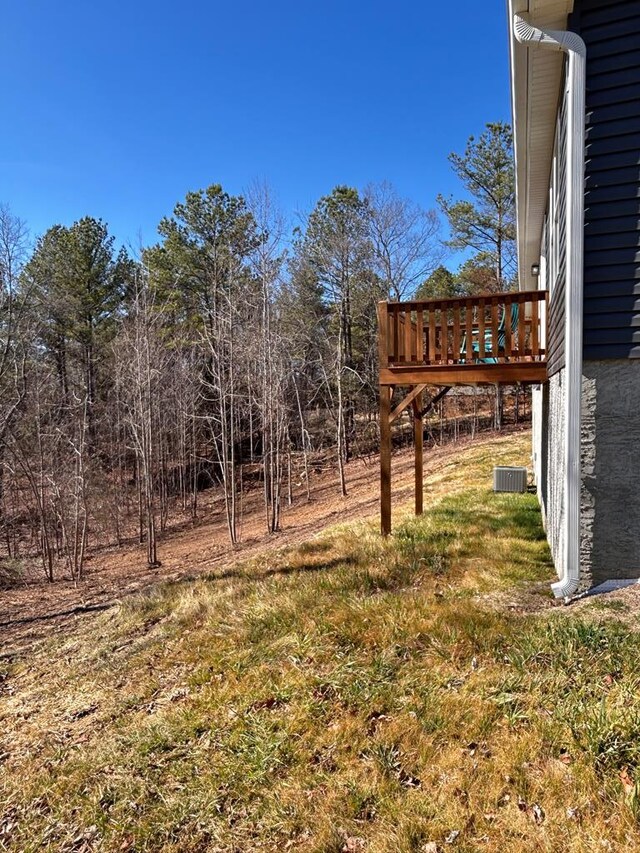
point(347, 694)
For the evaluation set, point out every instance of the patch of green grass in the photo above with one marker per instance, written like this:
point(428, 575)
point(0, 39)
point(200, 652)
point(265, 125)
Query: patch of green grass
point(613, 604)
point(352, 693)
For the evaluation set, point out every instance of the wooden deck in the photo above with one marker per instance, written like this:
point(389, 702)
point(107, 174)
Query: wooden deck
point(484, 339)
point(491, 339)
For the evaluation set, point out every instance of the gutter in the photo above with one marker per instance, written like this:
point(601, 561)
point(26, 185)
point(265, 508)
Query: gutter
point(571, 44)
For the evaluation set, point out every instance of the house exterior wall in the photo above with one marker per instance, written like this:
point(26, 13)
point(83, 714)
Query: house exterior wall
point(555, 245)
point(540, 445)
point(555, 457)
point(610, 510)
point(610, 466)
point(610, 503)
point(610, 500)
point(610, 415)
point(547, 410)
point(538, 441)
point(611, 32)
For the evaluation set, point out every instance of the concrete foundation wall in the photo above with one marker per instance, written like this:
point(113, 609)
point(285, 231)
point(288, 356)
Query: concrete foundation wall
point(537, 427)
point(610, 511)
point(547, 410)
point(554, 486)
point(540, 444)
point(610, 463)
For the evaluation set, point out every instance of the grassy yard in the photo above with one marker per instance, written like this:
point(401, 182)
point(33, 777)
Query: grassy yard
point(418, 694)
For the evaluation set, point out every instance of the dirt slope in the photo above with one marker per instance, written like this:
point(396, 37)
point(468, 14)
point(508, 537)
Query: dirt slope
point(36, 610)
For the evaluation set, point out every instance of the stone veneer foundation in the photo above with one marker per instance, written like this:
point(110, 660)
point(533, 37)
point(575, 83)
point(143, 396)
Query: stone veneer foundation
point(610, 506)
point(610, 460)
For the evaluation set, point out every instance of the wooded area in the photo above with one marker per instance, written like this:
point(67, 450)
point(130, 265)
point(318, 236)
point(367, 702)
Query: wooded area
point(227, 354)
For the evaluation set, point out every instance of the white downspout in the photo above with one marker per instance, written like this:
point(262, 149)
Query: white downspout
point(574, 47)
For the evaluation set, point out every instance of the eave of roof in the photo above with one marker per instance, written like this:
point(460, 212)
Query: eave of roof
point(536, 77)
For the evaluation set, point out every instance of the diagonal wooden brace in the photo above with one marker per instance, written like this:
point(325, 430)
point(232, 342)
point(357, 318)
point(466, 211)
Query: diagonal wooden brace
point(408, 400)
point(434, 400)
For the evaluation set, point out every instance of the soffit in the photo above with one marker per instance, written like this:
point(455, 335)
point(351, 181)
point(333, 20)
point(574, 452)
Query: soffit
point(536, 76)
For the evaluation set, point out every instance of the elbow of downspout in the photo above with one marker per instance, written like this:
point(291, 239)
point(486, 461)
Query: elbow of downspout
point(566, 587)
point(564, 40)
point(526, 33)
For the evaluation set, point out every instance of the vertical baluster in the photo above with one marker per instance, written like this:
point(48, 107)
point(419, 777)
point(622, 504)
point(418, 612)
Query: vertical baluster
point(432, 333)
point(444, 333)
point(407, 334)
point(481, 327)
point(390, 331)
point(522, 329)
point(419, 334)
point(398, 335)
point(383, 334)
point(495, 351)
point(469, 330)
point(456, 333)
point(535, 345)
point(545, 328)
point(508, 320)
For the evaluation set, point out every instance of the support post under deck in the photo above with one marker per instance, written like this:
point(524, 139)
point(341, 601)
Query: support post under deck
point(385, 422)
point(418, 440)
point(385, 460)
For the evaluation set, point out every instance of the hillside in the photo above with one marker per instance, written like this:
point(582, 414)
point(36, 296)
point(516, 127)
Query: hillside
point(37, 609)
point(342, 693)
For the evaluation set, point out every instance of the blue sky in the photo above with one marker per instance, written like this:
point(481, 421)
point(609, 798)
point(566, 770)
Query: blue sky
point(117, 109)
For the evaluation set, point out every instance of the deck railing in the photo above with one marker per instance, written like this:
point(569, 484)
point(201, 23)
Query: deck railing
point(492, 329)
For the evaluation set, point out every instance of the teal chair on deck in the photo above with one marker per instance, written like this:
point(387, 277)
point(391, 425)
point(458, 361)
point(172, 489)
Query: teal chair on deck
point(502, 338)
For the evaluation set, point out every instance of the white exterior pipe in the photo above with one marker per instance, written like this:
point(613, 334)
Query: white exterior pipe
point(574, 47)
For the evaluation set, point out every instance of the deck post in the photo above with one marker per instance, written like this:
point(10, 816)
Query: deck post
point(418, 440)
point(385, 422)
point(385, 460)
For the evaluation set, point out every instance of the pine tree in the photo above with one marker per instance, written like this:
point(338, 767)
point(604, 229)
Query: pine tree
point(441, 284)
point(485, 221)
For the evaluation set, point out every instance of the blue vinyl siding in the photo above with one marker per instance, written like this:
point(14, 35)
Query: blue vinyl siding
point(556, 248)
point(611, 31)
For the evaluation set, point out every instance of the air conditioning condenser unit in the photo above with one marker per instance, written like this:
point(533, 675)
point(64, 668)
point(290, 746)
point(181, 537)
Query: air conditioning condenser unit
point(509, 479)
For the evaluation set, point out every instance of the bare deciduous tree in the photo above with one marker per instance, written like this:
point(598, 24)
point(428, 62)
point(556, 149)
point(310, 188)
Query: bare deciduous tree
point(405, 240)
point(270, 377)
point(141, 359)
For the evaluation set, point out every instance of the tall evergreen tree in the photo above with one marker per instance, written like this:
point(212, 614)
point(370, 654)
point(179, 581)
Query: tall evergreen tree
point(485, 221)
point(337, 249)
point(441, 284)
point(202, 272)
point(79, 281)
point(195, 265)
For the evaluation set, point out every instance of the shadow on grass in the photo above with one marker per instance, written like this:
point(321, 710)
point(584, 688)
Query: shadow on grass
point(475, 524)
point(513, 516)
point(47, 617)
point(503, 532)
point(284, 571)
